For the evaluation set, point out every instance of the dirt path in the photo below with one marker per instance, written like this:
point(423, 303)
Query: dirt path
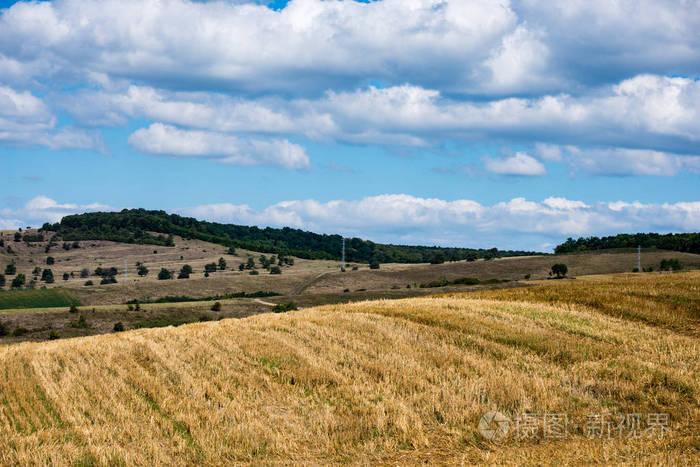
point(263, 302)
point(300, 289)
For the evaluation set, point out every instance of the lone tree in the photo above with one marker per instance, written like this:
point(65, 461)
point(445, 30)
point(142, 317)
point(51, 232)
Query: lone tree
point(164, 275)
point(222, 264)
point(19, 281)
point(559, 270)
point(47, 276)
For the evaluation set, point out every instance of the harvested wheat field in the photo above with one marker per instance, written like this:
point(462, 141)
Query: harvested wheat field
point(403, 381)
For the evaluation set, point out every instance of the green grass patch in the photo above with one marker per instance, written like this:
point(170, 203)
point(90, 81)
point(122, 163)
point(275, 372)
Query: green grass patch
point(43, 298)
point(185, 298)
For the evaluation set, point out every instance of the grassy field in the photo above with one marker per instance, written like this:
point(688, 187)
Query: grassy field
point(389, 381)
point(46, 298)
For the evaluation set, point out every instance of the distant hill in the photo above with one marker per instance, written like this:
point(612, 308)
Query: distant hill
point(685, 242)
point(136, 225)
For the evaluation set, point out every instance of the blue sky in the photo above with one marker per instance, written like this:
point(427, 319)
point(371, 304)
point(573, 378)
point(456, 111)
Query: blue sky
point(434, 122)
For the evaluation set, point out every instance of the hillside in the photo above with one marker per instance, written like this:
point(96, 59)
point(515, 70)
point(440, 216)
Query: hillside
point(139, 225)
point(386, 381)
point(686, 242)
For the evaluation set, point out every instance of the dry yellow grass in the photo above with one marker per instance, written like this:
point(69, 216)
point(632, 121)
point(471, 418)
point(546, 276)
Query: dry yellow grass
point(402, 381)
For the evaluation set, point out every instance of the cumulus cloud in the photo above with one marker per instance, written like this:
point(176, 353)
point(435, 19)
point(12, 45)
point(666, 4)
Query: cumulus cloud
point(518, 223)
point(518, 164)
point(27, 120)
point(226, 149)
point(43, 209)
point(654, 112)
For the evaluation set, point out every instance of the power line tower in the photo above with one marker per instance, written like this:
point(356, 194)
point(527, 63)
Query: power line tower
point(342, 266)
point(639, 258)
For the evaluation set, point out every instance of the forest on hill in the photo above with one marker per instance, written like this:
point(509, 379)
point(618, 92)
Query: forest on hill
point(138, 225)
point(685, 242)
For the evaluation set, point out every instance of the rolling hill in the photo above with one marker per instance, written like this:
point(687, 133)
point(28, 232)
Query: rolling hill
point(390, 382)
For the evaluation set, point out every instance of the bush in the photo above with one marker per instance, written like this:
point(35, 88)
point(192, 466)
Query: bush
point(118, 327)
point(142, 270)
point(88, 283)
point(222, 264)
point(559, 270)
point(635, 269)
point(164, 275)
point(18, 237)
point(527, 276)
point(231, 251)
point(187, 269)
point(3, 329)
point(374, 264)
point(346, 290)
point(47, 276)
point(20, 331)
point(670, 265)
point(183, 275)
point(10, 269)
point(53, 335)
point(275, 270)
point(216, 306)
point(211, 267)
point(81, 323)
point(254, 272)
point(108, 280)
point(19, 281)
point(73, 309)
point(66, 276)
point(84, 273)
point(284, 307)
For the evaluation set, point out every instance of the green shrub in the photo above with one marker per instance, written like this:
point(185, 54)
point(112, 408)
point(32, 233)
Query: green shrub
point(19, 281)
point(254, 272)
point(374, 264)
point(73, 309)
point(284, 307)
point(670, 265)
point(10, 269)
point(275, 270)
point(88, 283)
point(216, 306)
point(559, 270)
point(527, 276)
point(53, 335)
point(118, 327)
point(81, 323)
point(164, 275)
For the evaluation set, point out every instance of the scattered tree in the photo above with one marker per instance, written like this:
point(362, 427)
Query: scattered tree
point(670, 265)
point(142, 270)
point(216, 306)
point(250, 264)
point(222, 264)
point(88, 283)
point(84, 273)
point(241, 267)
point(275, 270)
point(50, 260)
point(18, 237)
point(231, 251)
point(36, 271)
point(66, 276)
point(10, 269)
point(164, 275)
point(211, 267)
point(73, 308)
point(118, 327)
point(253, 272)
point(374, 264)
point(47, 276)
point(559, 270)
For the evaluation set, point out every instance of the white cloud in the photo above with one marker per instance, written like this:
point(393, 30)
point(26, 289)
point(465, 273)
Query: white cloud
point(226, 149)
point(518, 223)
point(518, 164)
point(651, 111)
point(43, 209)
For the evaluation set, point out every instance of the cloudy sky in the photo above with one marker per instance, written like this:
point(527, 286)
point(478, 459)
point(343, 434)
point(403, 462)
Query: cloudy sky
point(477, 123)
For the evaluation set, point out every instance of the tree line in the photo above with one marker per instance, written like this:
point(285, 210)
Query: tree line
point(139, 225)
point(686, 242)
